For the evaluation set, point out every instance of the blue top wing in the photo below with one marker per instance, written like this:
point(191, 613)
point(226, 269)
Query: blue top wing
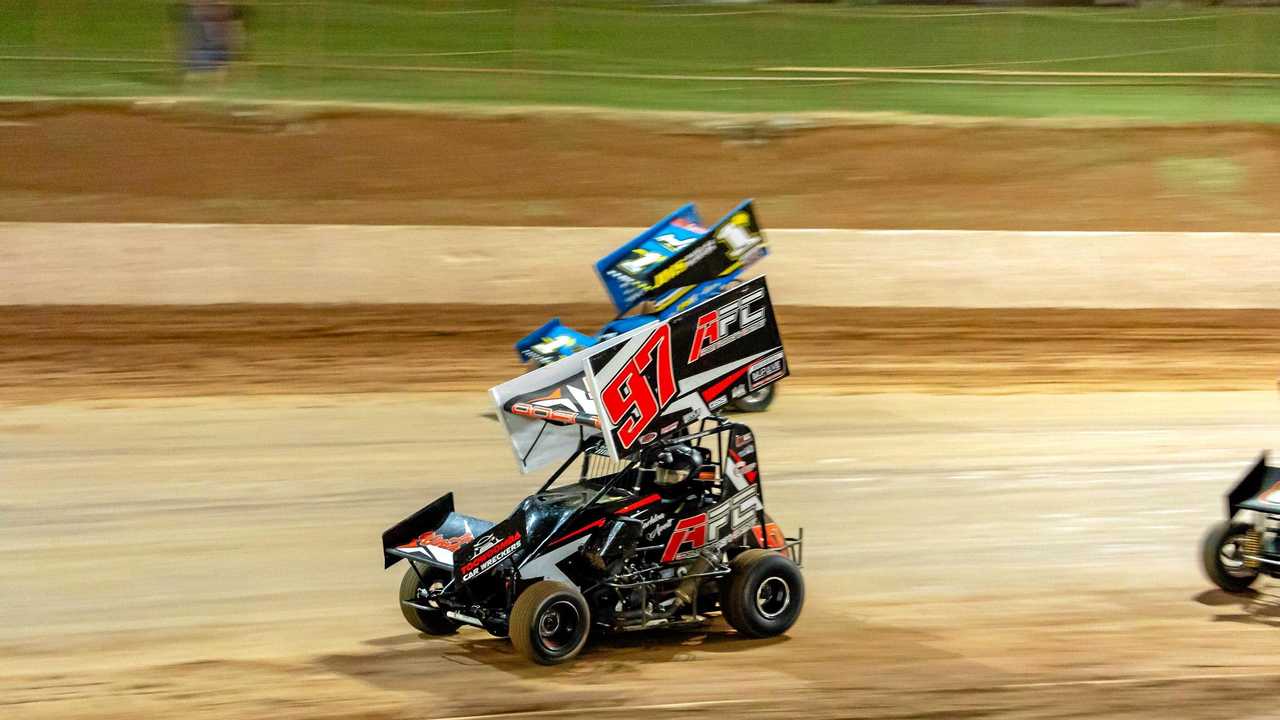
point(626, 272)
point(552, 341)
point(678, 262)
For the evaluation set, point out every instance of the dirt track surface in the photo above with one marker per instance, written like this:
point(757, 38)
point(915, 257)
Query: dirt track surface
point(193, 495)
point(86, 165)
point(58, 353)
point(1006, 557)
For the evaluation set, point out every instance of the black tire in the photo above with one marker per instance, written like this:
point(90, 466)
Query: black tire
point(549, 622)
point(431, 622)
point(764, 594)
point(758, 401)
point(1220, 556)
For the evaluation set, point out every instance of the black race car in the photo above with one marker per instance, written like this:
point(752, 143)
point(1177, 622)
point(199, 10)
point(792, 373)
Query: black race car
point(655, 515)
point(1246, 544)
point(668, 537)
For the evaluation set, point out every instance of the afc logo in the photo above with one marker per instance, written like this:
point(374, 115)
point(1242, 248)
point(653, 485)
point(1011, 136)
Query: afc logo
point(716, 328)
point(722, 522)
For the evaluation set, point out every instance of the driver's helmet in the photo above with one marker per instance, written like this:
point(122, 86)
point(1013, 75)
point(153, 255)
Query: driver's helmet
point(677, 463)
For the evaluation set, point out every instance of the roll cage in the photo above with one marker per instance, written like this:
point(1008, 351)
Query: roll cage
point(715, 431)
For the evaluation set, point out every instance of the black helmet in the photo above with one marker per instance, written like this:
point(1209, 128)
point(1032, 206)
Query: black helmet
point(677, 463)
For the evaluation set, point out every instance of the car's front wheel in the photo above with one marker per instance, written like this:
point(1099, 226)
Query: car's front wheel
point(764, 594)
point(1222, 556)
point(431, 621)
point(549, 622)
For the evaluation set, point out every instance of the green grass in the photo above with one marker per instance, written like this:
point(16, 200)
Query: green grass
point(365, 50)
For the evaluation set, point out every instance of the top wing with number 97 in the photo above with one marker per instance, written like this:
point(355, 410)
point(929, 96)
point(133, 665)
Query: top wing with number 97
point(668, 374)
point(646, 383)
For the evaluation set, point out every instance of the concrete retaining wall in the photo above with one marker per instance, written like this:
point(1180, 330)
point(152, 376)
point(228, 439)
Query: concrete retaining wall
point(200, 264)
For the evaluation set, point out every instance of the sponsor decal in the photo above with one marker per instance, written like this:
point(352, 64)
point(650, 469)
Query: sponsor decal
point(648, 437)
point(718, 402)
point(493, 552)
point(432, 539)
point(728, 323)
point(565, 405)
point(563, 417)
point(631, 288)
point(766, 370)
point(744, 463)
point(718, 526)
point(656, 525)
point(660, 528)
point(690, 531)
point(673, 271)
point(689, 225)
point(742, 439)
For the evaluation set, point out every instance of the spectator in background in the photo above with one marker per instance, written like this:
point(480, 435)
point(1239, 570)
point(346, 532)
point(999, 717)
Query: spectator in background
point(213, 34)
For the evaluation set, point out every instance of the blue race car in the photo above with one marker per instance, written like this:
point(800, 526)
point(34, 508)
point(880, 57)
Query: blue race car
point(672, 266)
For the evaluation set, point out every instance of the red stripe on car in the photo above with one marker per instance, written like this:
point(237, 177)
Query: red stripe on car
point(715, 390)
point(638, 504)
point(579, 531)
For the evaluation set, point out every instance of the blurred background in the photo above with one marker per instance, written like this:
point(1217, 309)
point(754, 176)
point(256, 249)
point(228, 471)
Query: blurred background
point(1161, 60)
point(260, 262)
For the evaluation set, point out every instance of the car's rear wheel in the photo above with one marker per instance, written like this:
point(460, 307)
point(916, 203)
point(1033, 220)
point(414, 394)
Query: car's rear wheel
point(1222, 556)
point(430, 621)
point(758, 401)
point(549, 622)
point(764, 593)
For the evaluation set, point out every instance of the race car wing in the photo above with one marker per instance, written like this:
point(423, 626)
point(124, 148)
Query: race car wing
point(646, 383)
point(669, 260)
point(666, 375)
point(552, 341)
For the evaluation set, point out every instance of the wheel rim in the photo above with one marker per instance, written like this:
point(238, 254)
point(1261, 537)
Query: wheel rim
point(558, 626)
point(758, 396)
point(773, 597)
point(1231, 557)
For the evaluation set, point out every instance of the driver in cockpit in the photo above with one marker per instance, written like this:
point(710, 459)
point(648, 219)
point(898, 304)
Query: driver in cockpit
point(679, 474)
